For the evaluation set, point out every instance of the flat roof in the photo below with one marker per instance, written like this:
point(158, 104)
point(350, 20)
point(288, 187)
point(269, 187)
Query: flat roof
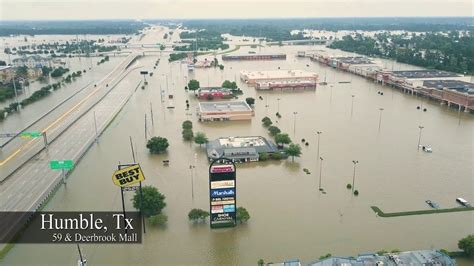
point(275, 74)
point(354, 60)
point(418, 74)
point(224, 106)
point(239, 146)
point(458, 85)
point(252, 55)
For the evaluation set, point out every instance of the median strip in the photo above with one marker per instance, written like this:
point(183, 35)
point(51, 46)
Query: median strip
point(380, 213)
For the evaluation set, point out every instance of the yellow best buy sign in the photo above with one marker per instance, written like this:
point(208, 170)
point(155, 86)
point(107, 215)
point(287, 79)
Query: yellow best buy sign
point(128, 176)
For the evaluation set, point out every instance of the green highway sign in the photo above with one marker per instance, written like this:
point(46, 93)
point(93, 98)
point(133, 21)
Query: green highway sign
point(32, 134)
point(59, 165)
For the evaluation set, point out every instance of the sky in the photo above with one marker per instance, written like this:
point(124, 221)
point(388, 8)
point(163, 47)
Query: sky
point(165, 9)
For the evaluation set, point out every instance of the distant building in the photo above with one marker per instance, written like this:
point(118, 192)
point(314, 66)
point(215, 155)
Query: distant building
point(240, 149)
point(254, 57)
point(224, 111)
point(418, 257)
point(286, 263)
point(252, 77)
point(32, 61)
point(210, 93)
point(286, 85)
point(459, 93)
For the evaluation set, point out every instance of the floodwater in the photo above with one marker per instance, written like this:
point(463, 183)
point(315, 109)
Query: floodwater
point(290, 218)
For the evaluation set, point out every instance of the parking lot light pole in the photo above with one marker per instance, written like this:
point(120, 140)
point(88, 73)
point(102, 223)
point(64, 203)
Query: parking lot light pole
point(320, 171)
point(419, 136)
point(354, 174)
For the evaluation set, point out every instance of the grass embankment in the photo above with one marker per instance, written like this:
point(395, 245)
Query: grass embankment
point(380, 213)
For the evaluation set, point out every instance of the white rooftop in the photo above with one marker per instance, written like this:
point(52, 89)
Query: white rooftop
point(234, 142)
point(278, 74)
point(224, 106)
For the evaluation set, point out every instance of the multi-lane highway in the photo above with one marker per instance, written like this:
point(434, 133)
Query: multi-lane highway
point(69, 135)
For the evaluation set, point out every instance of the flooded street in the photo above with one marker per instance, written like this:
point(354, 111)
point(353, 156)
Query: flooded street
point(290, 217)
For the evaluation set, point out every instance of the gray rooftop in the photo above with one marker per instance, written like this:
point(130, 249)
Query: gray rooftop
point(419, 257)
point(458, 85)
point(418, 74)
point(354, 60)
point(239, 147)
point(224, 106)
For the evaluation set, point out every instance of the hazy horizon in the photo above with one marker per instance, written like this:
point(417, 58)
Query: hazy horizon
point(228, 9)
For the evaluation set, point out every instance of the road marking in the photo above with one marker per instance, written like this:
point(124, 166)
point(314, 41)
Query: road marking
point(56, 121)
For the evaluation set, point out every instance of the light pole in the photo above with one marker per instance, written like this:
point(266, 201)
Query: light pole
point(419, 136)
point(354, 174)
point(380, 118)
point(319, 135)
point(191, 167)
point(352, 104)
point(320, 171)
point(278, 105)
point(294, 124)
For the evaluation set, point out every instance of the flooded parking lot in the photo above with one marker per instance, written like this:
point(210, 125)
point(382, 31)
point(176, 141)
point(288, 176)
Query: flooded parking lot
point(290, 217)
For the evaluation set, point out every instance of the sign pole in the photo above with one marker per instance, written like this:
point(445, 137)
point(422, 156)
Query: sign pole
point(45, 139)
point(123, 206)
point(141, 208)
point(151, 114)
point(133, 153)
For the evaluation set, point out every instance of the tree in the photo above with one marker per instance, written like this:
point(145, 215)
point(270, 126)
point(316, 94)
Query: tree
point(187, 124)
point(263, 156)
point(22, 71)
point(250, 101)
point(260, 262)
point(187, 134)
point(3, 63)
point(266, 121)
point(293, 150)
point(158, 220)
point(467, 245)
point(273, 130)
point(153, 201)
point(282, 138)
point(229, 84)
point(193, 85)
point(157, 145)
point(200, 138)
point(197, 215)
point(242, 215)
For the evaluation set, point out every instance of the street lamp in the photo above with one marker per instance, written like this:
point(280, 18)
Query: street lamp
point(294, 124)
point(319, 135)
point(191, 167)
point(354, 174)
point(278, 105)
point(380, 118)
point(419, 136)
point(320, 172)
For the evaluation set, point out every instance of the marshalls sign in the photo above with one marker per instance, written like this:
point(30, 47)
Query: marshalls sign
point(128, 176)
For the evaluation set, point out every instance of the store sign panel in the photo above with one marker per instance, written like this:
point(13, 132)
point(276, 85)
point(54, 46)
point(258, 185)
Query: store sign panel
point(222, 195)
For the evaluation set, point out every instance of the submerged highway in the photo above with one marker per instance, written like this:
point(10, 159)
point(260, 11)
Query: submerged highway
point(27, 177)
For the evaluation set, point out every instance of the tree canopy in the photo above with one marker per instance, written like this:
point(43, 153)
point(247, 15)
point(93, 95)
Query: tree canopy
point(200, 138)
point(282, 138)
point(242, 215)
point(153, 201)
point(293, 150)
point(467, 245)
point(197, 215)
point(157, 144)
point(193, 85)
point(250, 100)
point(273, 130)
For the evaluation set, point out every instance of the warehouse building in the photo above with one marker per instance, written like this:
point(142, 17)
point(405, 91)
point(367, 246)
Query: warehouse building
point(286, 85)
point(254, 57)
point(252, 77)
point(240, 149)
point(224, 111)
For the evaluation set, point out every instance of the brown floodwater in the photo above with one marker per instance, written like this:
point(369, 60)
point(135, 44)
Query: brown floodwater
point(290, 218)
